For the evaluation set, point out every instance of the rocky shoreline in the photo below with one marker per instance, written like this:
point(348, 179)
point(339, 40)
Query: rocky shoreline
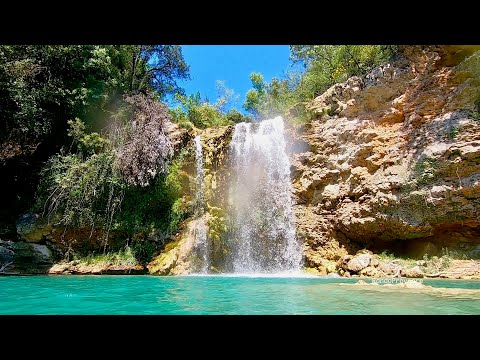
point(367, 264)
point(76, 268)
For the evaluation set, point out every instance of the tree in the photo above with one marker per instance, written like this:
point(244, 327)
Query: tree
point(256, 96)
point(43, 86)
point(324, 66)
point(328, 64)
point(226, 97)
point(156, 67)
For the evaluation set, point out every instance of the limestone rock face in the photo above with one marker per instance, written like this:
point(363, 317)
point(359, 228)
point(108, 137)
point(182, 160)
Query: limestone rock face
point(393, 159)
point(179, 257)
point(176, 259)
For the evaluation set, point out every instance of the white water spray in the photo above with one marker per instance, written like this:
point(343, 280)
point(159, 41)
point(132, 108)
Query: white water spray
point(263, 238)
point(199, 223)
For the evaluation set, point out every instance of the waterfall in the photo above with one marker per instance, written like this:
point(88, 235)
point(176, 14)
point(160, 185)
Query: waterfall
point(199, 225)
point(262, 238)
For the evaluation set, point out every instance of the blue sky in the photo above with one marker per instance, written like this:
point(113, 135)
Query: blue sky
point(232, 64)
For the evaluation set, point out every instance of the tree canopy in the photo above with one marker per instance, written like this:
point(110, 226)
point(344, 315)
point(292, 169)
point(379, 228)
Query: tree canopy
point(324, 66)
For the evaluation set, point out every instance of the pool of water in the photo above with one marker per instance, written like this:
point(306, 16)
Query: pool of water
point(229, 295)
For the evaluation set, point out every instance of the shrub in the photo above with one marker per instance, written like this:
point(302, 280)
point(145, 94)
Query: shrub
point(81, 192)
point(147, 147)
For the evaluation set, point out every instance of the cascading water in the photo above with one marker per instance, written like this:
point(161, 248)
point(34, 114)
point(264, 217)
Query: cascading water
point(262, 238)
point(199, 223)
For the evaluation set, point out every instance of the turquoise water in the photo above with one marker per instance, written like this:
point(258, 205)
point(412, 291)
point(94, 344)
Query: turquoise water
point(228, 295)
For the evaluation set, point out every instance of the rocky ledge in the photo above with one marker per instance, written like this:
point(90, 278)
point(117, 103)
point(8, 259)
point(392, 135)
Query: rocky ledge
point(77, 268)
point(367, 264)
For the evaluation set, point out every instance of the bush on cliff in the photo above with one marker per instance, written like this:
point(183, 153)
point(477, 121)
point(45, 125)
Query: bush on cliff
point(122, 180)
point(325, 65)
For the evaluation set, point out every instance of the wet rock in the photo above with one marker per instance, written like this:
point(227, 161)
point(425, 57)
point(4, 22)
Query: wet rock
point(73, 267)
point(342, 262)
point(410, 284)
point(61, 268)
point(163, 263)
point(311, 271)
point(361, 282)
point(333, 275)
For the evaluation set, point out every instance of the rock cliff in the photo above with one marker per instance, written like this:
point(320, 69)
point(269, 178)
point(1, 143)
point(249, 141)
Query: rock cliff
point(394, 159)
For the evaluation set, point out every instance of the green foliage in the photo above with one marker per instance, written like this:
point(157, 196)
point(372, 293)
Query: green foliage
point(76, 129)
point(143, 251)
point(330, 64)
point(126, 257)
point(453, 132)
point(158, 206)
point(81, 192)
point(42, 86)
point(268, 100)
point(475, 114)
point(193, 112)
point(155, 67)
point(89, 191)
point(425, 170)
point(324, 65)
point(234, 117)
point(93, 143)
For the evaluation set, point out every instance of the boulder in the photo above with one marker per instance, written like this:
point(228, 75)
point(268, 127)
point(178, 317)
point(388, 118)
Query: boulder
point(369, 271)
point(414, 272)
point(390, 268)
point(374, 262)
point(359, 262)
point(163, 263)
point(32, 258)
